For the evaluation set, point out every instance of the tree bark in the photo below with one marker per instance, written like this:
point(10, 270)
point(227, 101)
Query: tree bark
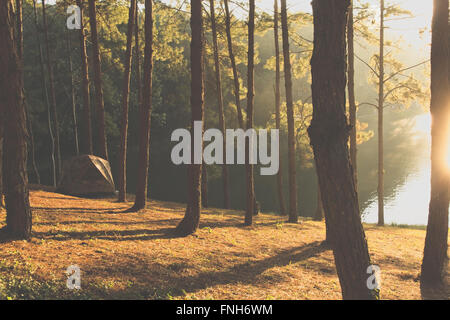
point(1, 158)
point(72, 94)
point(86, 146)
point(145, 112)
point(329, 138)
point(204, 187)
point(19, 26)
point(278, 103)
point(250, 199)
point(380, 121)
point(436, 241)
point(293, 215)
point(191, 219)
point(102, 149)
point(237, 94)
point(226, 191)
point(18, 212)
point(45, 95)
point(351, 93)
point(137, 52)
point(122, 179)
point(54, 112)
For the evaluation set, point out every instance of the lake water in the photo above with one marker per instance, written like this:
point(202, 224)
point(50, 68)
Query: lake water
point(409, 202)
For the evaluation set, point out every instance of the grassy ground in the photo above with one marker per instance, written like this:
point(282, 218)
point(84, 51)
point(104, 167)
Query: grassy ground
point(133, 255)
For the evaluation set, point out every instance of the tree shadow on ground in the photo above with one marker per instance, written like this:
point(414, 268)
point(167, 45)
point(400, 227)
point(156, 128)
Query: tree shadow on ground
point(113, 235)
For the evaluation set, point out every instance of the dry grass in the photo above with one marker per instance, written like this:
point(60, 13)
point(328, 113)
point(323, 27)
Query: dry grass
point(134, 255)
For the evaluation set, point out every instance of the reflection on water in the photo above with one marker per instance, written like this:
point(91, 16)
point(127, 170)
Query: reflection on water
point(408, 204)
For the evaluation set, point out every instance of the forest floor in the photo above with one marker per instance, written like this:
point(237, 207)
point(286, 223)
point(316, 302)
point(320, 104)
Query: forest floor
point(135, 255)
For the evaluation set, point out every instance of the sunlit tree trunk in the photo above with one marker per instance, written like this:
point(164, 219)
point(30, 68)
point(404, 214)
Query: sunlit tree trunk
point(86, 145)
point(45, 95)
point(380, 121)
point(436, 242)
point(250, 199)
point(351, 93)
point(226, 191)
point(293, 215)
point(122, 179)
point(278, 103)
point(12, 108)
point(237, 94)
point(191, 219)
point(54, 113)
point(329, 138)
point(102, 149)
point(145, 112)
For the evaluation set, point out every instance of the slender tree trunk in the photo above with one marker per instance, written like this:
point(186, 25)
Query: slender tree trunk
point(278, 102)
point(204, 186)
point(293, 215)
point(19, 25)
point(329, 138)
point(102, 149)
point(54, 112)
point(319, 208)
point(191, 219)
point(250, 200)
point(226, 191)
point(436, 242)
point(45, 95)
point(237, 94)
point(72, 94)
point(122, 180)
point(137, 52)
point(86, 146)
point(351, 93)
point(18, 212)
point(146, 111)
point(380, 121)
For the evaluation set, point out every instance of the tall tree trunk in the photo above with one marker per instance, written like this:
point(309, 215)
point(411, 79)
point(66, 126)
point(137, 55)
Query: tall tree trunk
point(293, 215)
point(204, 186)
point(18, 212)
point(19, 25)
point(191, 219)
point(102, 149)
point(319, 215)
point(278, 103)
point(226, 191)
point(237, 94)
point(54, 112)
point(380, 121)
point(250, 104)
point(329, 138)
point(1, 158)
point(436, 241)
point(145, 112)
point(137, 53)
point(351, 93)
point(122, 180)
point(86, 145)
point(45, 95)
point(72, 94)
